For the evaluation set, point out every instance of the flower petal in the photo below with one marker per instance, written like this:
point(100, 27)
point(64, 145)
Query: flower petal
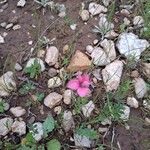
point(73, 84)
point(84, 80)
point(83, 92)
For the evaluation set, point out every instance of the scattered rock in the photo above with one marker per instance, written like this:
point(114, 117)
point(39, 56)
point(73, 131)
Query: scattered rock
point(52, 99)
point(132, 102)
point(106, 121)
point(54, 82)
point(38, 127)
point(57, 110)
point(111, 34)
point(130, 45)
point(18, 67)
point(147, 121)
point(67, 97)
point(79, 62)
point(84, 14)
point(16, 27)
point(138, 21)
point(2, 40)
point(31, 120)
point(73, 26)
point(146, 104)
point(126, 113)
point(18, 111)
point(140, 87)
point(125, 12)
point(106, 2)
point(68, 122)
point(146, 69)
point(88, 108)
point(126, 21)
point(135, 74)
point(112, 74)
point(66, 49)
point(97, 74)
point(41, 53)
point(9, 26)
point(7, 84)
point(3, 24)
point(96, 9)
point(21, 3)
point(52, 56)
point(82, 141)
point(95, 42)
point(5, 125)
point(89, 49)
point(19, 127)
point(52, 72)
point(32, 60)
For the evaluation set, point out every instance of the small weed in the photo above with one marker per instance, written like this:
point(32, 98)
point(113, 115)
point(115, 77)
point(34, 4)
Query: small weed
point(2, 106)
point(34, 70)
point(40, 96)
point(111, 11)
point(26, 88)
point(68, 21)
point(43, 3)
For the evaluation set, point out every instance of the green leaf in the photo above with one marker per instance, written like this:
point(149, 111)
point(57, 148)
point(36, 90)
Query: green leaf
point(48, 125)
point(2, 106)
point(53, 144)
point(40, 96)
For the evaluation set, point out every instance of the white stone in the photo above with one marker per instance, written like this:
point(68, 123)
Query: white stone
point(32, 60)
point(2, 40)
point(96, 9)
point(89, 49)
point(146, 104)
point(111, 34)
point(84, 14)
point(138, 20)
point(126, 113)
point(146, 69)
point(57, 110)
point(95, 42)
point(16, 27)
point(82, 141)
point(106, 2)
point(112, 74)
point(73, 26)
point(54, 82)
point(9, 26)
point(106, 121)
point(17, 111)
point(21, 3)
point(140, 87)
point(18, 67)
point(131, 46)
point(38, 127)
point(132, 102)
point(67, 97)
point(126, 21)
point(88, 108)
point(5, 125)
point(99, 57)
point(7, 83)
point(109, 48)
point(52, 56)
point(125, 12)
point(19, 127)
point(68, 122)
point(52, 99)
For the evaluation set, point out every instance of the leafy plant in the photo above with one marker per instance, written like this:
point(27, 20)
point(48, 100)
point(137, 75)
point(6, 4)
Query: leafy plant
point(2, 106)
point(40, 96)
point(53, 144)
point(26, 88)
point(34, 70)
point(48, 125)
point(43, 3)
point(89, 133)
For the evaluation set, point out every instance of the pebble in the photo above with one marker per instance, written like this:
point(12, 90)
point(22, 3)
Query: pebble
point(95, 42)
point(89, 49)
point(18, 67)
point(67, 97)
point(138, 21)
point(8, 26)
point(73, 26)
point(66, 49)
point(126, 21)
point(97, 74)
point(57, 110)
point(106, 121)
point(146, 104)
point(135, 74)
point(21, 3)
point(52, 72)
point(106, 2)
point(17, 111)
point(146, 69)
point(84, 14)
point(2, 41)
point(132, 102)
point(3, 24)
point(41, 53)
point(16, 27)
point(54, 82)
point(102, 129)
point(147, 121)
point(126, 113)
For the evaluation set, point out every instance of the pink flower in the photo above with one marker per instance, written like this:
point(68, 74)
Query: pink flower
point(80, 84)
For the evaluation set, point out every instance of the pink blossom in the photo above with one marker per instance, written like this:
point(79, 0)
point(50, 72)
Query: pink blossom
point(80, 84)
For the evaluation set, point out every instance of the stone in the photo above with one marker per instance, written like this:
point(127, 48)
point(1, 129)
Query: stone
point(146, 104)
point(102, 129)
point(9, 26)
point(82, 141)
point(32, 60)
point(140, 87)
point(146, 69)
point(18, 67)
point(68, 122)
point(19, 127)
point(134, 74)
point(21, 3)
point(3, 24)
point(17, 111)
point(57, 110)
point(138, 21)
point(52, 99)
point(2, 41)
point(126, 21)
point(84, 14)
point(125, 12)
point(132, 102)
point(88, 108)
point(16, 27)
point(67, 97)
point(99, 57)
point(130, 45)
point(73, 26)
point(7, 84)
point(41, 53)
point(89, 49)
point(112, 75)
point(111, 34)
point(5, 125)
point(126, 113)
point(52, 72)
point(38, 127)
point(96, 9)
point(95, 42)
point(109, 48)
point(52, 56)
point(147, 121)
point(66, 49)
point(106, 121)
point(79, 62)
point(54, 82)
point(106, 2)
point(97, 74)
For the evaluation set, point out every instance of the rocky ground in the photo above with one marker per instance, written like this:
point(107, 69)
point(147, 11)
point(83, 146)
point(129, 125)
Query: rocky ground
point(75, 75)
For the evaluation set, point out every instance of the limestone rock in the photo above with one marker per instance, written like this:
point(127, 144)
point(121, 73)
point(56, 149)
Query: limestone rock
point(1, 40)
point(146, 69)
point(84, 14)
point(21, 3)
point(132, 102)
point(54, 82)
point(138, 20)
point(67, 97)
point(18, 111)
point(126, 113)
